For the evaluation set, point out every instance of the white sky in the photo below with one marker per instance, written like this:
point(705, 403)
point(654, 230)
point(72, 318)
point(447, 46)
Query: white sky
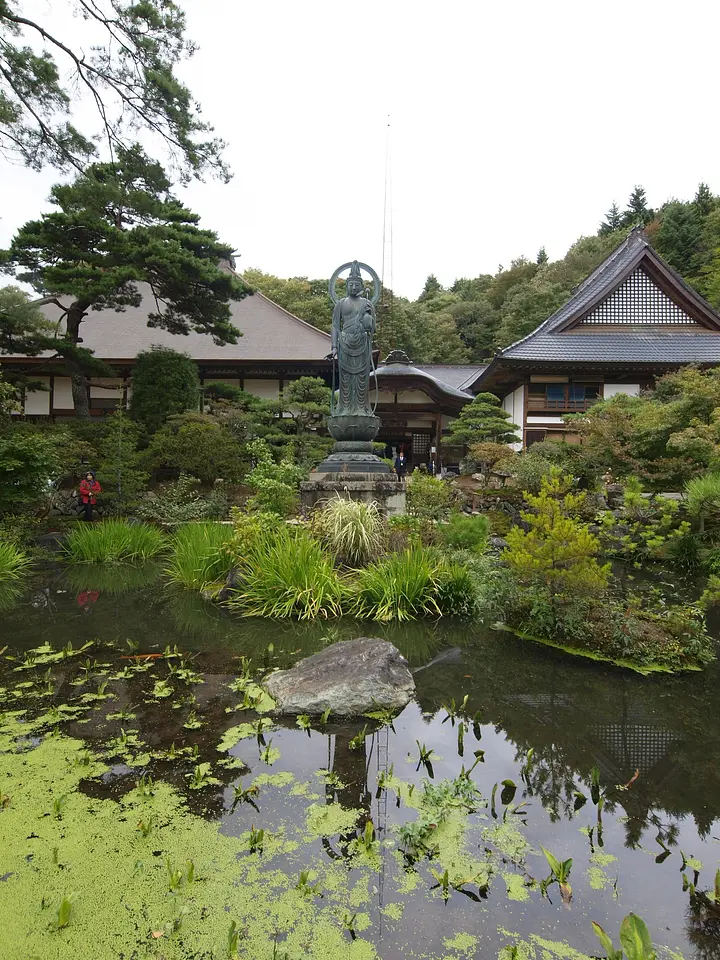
point(513, 125)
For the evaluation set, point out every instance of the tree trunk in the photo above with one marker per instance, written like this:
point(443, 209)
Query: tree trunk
point(80, 396)
point(79, 382)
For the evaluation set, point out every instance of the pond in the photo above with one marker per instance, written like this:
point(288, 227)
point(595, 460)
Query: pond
point(640, 840)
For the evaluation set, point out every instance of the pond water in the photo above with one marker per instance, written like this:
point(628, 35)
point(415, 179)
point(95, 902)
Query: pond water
point(655, 742)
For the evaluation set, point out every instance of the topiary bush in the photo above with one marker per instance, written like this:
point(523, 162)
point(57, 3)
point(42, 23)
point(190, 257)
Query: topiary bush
point(164, 382)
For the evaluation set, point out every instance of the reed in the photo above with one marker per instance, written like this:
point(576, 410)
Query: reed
point(13, 564)
point(114, 541)
point(289, 575)
point(198, 558)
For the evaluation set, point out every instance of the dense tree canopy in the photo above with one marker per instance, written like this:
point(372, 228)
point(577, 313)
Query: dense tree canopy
point(475, 316)
point(115, 226)
point(122, 61)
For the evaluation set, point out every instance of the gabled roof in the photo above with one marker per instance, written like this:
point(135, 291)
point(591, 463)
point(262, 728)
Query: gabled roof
point(269, 333)
point(633, 308)
point(442, 382)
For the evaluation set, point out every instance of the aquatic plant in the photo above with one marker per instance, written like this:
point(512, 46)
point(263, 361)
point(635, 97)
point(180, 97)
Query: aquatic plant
point(352, 530)
point(201, 777)
point(256, 840)
point(288, 575)
point(560, 872)
point(114, 541)
point(62, 917)
point(14, 562)
point(635, 942)
point(198, 558)
point(425, 756)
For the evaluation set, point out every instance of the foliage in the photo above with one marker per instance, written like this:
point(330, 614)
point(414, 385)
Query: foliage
point(353, 531)
point(28, 463)
point(275, 484)
point(196, 444)
point(114, 541)
point(198, 556)
point(307, 402)
point(528, 469)
point(703, 498)
point(665, 437)
point(438, 801)
point(483, 456)
point(406, 531)
point(482, 420)
point(557, 552)
point(412, 584)
point(180, 502)
point(164, 382)
point(9, 399)
point(466, 532)
point(13, 565)
point(428, 498)
point(288, 574)
point(119, 465)
point(118, 225)
point(249, 529)
point(493, 586)
point(635, 942)
point(128, 68)
point(645, 528)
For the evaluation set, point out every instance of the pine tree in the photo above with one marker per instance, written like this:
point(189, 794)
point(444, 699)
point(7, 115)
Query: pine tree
point(118, 225)
point(678, 238)
point(704, 200)
point(122, 477)
point(432, 288)
point(542, 257)
point(482, 419)
point(638, 213)
point(613, 220)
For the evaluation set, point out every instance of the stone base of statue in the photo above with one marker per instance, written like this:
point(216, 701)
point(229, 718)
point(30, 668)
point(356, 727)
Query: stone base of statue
point(381, 488)
point(353, 451)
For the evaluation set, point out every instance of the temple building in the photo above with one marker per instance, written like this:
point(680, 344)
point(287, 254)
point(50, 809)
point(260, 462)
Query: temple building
point(633, 319)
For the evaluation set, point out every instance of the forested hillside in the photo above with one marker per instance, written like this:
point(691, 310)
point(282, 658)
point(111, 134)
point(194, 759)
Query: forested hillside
point(474, 317)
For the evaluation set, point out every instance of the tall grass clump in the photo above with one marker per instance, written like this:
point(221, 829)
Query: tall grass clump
point(114, 541)
point(287, 574)
point(199, 557)
point(13, 564)
point(352, 530)
point(412, 584)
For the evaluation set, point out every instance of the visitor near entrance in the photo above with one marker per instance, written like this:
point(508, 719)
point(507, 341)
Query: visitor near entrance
point(400, 466)
point(89, 489)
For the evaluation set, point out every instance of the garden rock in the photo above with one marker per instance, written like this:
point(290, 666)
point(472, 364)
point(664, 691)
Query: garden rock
point(498, 543)
point(232, 581)
point(348, 678)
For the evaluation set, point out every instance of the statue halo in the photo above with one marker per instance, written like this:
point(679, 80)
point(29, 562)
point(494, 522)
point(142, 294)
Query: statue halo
point(363, 266)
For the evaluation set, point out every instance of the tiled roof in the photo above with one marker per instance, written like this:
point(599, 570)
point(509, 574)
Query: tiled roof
point(558, 338)
point(447, 378)
point(269, 333)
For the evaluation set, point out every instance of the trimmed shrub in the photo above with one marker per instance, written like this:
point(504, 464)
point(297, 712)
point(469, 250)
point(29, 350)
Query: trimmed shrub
point(196, 444)
point(114, 541)
point(199, 556)
point(164, 383)
point(352, 530)
point(466, 532)
point(286, 575)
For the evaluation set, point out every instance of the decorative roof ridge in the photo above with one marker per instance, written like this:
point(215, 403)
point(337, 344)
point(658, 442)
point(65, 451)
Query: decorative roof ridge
point(636, 237)
point(400, 369)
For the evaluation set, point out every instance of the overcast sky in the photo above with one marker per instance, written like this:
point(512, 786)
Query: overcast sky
point(513, 125)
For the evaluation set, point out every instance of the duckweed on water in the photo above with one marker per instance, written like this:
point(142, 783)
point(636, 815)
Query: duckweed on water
point(117, 878)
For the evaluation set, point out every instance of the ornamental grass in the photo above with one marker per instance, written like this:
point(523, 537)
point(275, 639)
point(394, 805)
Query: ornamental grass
point(287, 574)
point(114, 541)
point(352, 530)
point(199, 558)
point(413, 584)
point(13, 565)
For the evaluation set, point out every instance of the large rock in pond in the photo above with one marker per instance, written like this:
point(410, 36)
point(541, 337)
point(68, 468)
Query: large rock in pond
point(349, 677)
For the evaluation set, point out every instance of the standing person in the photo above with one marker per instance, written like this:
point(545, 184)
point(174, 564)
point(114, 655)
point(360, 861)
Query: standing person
point(400, 465)
point(89, 489)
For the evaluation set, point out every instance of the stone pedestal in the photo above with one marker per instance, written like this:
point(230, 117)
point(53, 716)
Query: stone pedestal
point(384, 488)
point(353, 450)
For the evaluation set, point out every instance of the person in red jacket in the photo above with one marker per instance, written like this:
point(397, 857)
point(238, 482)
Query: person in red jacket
point(89, 489)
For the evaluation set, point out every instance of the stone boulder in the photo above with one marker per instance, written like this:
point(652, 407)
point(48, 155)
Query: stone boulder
point(349, 677)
